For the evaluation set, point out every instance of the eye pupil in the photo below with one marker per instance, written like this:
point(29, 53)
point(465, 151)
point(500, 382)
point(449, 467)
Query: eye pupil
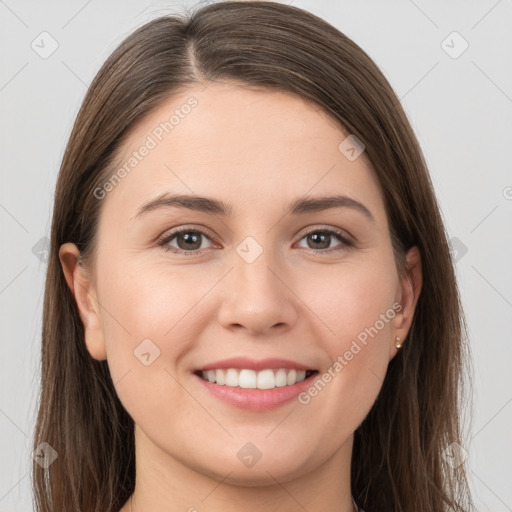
point(189, 239)
point(315, 238)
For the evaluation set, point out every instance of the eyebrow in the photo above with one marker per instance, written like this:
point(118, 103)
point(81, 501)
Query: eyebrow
point(300, 206)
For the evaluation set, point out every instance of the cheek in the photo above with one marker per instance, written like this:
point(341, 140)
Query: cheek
point(149, 300)
point(157, 310)
point(358, 311)
point(350, 298)
point(149, 322)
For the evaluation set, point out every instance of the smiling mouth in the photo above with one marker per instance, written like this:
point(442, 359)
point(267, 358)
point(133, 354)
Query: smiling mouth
point(252, 379)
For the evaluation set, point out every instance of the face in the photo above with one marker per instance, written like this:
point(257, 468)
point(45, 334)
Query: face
point(302, 299)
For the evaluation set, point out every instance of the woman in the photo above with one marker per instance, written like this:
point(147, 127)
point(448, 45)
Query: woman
point(250, 302)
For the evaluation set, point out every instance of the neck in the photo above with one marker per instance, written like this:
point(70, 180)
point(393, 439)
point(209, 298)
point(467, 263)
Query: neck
point(163, 480)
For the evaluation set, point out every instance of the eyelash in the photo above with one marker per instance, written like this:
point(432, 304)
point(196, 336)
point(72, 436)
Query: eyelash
point(338, 234)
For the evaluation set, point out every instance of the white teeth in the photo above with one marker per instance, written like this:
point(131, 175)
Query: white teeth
point(219, 377)
point(232, 377)
point(247, 379)
point(266, 380)
point(291, 377)
point(280, 378)
point(250, 379)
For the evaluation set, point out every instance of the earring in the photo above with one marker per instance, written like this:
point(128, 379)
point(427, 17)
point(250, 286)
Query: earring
point(398, 344)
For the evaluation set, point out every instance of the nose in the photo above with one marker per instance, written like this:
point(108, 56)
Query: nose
point(257, 298)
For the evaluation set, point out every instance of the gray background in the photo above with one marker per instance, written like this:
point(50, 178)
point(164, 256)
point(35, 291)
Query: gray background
point(459, 107)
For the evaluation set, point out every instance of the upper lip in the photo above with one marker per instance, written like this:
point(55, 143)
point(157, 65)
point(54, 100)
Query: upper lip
point(253, 364)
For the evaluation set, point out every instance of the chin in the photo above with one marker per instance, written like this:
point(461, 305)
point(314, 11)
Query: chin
point(263, 469)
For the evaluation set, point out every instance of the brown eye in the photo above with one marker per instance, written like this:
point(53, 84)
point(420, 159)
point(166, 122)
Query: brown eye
point(320, 240)
point(187, 241)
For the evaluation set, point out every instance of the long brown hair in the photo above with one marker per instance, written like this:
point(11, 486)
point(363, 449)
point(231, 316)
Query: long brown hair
point(398, 461)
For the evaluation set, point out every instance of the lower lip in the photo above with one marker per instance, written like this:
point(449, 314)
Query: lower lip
point(257, 399)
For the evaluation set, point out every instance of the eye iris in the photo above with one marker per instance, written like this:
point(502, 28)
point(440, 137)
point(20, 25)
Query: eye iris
point(315, 236)
point(195, 238)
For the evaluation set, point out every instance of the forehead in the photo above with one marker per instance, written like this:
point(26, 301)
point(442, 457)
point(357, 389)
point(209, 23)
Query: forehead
point(252, 148)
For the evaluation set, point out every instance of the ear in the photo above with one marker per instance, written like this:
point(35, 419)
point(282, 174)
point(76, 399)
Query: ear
point(82, 288)
point(408, 292)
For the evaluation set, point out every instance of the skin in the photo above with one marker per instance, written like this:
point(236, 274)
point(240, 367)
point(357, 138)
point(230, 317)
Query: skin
point(258, 150)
